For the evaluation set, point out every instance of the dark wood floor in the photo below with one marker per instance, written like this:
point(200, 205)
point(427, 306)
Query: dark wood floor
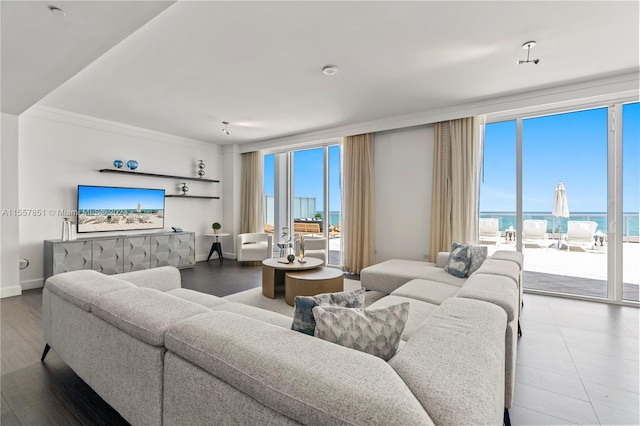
point(577, 361)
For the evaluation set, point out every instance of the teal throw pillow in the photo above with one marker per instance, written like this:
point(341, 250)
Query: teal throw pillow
point(303, 320)
point(459, 260)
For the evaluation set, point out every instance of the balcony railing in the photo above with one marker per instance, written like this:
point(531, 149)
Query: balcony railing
point(629, 220)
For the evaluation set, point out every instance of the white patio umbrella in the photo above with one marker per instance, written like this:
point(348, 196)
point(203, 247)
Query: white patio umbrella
point(560, 205)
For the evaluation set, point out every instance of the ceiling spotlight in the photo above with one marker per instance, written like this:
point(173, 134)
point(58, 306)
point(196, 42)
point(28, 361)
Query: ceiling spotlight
point(225, 130)
point(330, 70)
point(528, 45)
point(57, 11)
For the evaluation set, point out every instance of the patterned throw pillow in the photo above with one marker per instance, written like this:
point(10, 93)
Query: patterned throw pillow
point(374, 331)
point(303, 320)
point(478, 256)
point(459, 260)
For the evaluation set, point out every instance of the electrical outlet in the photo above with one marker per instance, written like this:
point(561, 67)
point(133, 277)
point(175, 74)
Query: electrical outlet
point(425, 256)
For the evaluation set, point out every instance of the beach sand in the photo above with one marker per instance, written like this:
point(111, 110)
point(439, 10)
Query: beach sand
point(154, 222)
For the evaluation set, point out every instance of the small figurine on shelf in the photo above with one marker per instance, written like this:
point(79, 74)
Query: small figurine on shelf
point(201, 168)
point(184, 188)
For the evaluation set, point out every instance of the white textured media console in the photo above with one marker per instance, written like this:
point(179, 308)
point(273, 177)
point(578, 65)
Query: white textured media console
point(116, 254)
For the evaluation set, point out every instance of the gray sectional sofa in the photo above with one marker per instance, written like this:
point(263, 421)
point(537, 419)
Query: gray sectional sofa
point(427, 285)
point(161, 354)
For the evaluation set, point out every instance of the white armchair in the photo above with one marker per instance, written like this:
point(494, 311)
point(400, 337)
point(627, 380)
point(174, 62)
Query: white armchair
point(254, 247)
point(313, 247)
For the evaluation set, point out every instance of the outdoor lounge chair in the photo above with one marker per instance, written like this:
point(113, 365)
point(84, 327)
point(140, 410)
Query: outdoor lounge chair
point(489, 230)
point(535, 232)
point(580, 233)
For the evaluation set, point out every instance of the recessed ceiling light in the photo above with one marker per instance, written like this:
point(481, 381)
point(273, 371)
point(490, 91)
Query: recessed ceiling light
point(330, 70)
point(57, 11)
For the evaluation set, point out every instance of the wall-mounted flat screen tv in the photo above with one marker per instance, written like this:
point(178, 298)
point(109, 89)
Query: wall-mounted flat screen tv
point(108, 208)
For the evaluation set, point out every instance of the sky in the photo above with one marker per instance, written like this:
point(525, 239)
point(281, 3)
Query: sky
point(107, 198)
point(571, 148)
point(308, 172)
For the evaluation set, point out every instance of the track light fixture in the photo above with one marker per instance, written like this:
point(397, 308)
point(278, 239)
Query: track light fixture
point(528, 45)
point(225, 130)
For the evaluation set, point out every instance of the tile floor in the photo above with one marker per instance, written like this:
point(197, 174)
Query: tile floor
point(577, 363)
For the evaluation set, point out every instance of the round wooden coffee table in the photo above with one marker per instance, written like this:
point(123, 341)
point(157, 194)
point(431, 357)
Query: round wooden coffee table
point(312, 282)
point(273, 271)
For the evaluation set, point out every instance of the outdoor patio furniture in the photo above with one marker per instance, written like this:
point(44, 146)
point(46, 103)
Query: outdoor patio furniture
point(535, 232)
point(580, 233)
point(489, 230)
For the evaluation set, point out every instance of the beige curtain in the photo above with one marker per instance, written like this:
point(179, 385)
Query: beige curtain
point(252, 193)
point(358, 224)
point(456, 183)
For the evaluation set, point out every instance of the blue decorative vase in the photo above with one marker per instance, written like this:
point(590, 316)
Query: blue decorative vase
point(117, 164)
point(132, 164)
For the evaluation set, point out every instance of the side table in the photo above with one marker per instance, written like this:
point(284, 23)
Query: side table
point(216, 246)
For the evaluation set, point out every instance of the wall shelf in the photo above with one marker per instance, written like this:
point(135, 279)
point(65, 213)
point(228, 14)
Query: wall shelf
point(191, 196)
point(127, 172)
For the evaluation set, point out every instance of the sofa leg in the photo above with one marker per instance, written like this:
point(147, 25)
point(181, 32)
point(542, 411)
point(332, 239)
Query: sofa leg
point(507, 420)
point(45, 352)
point(519, 329)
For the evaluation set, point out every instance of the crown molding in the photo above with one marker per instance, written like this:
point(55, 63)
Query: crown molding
point(619, 87)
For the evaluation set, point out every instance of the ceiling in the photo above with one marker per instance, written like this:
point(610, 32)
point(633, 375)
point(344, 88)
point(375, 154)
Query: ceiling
point(191, 65)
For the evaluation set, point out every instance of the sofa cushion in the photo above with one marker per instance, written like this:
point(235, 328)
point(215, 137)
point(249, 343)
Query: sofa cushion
point(478, 255)
point(144, 313)
point(426, 290)
point(83, 288)
point(418, 311)
point(303, 320)
point(459, 260)
point(373, 331)
point(204, 299)
point(163, 278)
point(454, 363)
point(391, 274)
point(505, 268)
point(514, 256)
point(306, 379)
point(256, 313)
point(494, 289)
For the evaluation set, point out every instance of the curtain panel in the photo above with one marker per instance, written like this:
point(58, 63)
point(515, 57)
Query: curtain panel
point(252, 193)
point(358, 218)
point(456, 183)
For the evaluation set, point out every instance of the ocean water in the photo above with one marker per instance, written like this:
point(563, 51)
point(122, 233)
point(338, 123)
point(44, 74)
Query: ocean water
point(506, 219)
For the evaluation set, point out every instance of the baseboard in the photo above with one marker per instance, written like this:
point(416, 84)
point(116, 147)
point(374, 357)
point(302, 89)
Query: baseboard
point(10, 291)
point(31, 284)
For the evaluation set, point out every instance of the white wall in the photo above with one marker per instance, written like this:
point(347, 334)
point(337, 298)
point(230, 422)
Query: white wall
point(403, 167)
point(9, 235)
point(60, 150)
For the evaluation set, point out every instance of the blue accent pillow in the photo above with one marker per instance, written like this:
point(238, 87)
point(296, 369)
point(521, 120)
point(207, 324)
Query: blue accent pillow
point(303, 320)
point(459, 260)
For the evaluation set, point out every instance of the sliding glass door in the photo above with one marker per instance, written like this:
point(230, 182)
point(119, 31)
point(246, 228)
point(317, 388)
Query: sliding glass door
point(589, 249)
point(564, 161)
point(303, 193)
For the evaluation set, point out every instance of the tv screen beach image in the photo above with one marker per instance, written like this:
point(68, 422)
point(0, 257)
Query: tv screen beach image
point(103, 208)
